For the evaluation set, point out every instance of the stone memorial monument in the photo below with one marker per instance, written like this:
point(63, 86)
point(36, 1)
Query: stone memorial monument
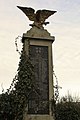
point(40, 51)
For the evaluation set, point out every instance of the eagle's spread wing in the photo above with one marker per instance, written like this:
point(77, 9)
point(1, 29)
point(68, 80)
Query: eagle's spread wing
point(44, 14)
point(29, 12)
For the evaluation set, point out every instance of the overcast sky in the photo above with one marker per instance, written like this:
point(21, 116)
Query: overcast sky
point(64, 25)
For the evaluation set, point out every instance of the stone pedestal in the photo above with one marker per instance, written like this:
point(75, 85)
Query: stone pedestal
point(40, 42)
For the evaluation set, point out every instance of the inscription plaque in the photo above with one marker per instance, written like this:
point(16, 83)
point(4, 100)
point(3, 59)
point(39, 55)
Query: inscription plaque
point(39, 103)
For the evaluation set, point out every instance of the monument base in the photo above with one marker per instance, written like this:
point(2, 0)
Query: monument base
point(38, 117)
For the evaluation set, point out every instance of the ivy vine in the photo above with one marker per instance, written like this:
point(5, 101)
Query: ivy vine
point(15, 100)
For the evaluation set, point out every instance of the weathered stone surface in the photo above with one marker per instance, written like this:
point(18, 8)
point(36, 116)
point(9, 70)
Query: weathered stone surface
point(36, 32)
point(38, 117)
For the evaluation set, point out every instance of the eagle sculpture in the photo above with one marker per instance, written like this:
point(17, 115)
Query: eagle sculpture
point(39, 17)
